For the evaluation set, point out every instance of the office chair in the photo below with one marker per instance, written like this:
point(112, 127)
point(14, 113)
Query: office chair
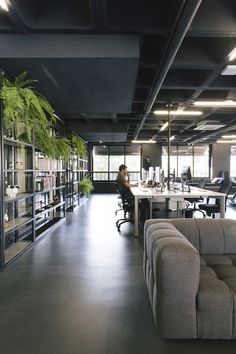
point(127, 205)
point(119, 202)
point(212, 209)
point(194, 201)
point(233, 197)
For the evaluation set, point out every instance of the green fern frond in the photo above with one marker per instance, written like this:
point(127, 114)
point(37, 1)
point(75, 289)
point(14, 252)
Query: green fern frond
point(21, 81)
point(86, 186)
point(79, 145)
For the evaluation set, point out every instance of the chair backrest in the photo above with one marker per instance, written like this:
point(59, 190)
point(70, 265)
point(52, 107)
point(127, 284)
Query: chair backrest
point(224, 175)
point(126, 197)
point(202, 183)
point(225, 187)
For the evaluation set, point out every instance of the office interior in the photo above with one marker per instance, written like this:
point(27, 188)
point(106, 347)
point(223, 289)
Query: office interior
point(141, 83)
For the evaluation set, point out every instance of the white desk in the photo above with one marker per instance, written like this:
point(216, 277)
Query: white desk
point(175, 195)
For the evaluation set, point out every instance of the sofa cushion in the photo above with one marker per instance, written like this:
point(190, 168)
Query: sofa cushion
point(211, 236)
point(231, 283)
point(229, 232)
point(213, 259)
point(214, 309)
point(202, 260)
point(188, 227)
point(207, 271)
point(224, 271)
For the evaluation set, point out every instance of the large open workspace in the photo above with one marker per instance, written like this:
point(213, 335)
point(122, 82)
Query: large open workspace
point(117, 176)
point(81, 290)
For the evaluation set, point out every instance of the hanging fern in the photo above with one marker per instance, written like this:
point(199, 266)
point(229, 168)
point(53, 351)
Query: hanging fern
point(52, 146)
point(21, 104)
point(62, 147)
point(79, 145)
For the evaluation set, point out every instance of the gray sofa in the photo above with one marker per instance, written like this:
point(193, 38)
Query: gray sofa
point(190, 271)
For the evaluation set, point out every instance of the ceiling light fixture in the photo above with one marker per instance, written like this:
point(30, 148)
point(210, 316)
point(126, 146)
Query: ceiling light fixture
point(232, 55)
point(209, 125)
point(226, 141)
point(229, 70)
point(225, 103)
point(150, 141)
point(164, 126)
point(228, 137)
point(178, 113)
point(172, 137)
point(4, 5)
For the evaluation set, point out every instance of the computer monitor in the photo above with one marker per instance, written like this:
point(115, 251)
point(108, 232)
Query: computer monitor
point(151, 174)
point(144, 175)
point(186, 175)
point(157, 174)
point(172, 174)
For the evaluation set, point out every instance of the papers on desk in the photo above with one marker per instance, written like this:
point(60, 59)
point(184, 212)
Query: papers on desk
point(143, 189)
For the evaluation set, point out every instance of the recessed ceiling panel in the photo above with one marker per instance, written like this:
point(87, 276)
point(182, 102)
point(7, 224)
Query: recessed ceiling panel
point(188, 77)
point(81, 85)
point(142, 15)
point(55, 14)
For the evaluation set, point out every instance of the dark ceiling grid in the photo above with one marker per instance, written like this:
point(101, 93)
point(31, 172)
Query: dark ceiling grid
point(216, 70)
point(172, 66)
point(199, 90)
point(182, 23)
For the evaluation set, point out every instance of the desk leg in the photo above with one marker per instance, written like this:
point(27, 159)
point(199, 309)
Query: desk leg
point(136, 216)
point(177, 203)
point(222, 207)
point(150, 208)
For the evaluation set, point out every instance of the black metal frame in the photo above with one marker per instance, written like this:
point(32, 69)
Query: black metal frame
point(2, 261)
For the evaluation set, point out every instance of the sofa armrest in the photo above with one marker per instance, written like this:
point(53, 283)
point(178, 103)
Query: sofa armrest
point(176, 268)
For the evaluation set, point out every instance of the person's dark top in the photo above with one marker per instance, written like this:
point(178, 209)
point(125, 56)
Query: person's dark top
point(121, 182)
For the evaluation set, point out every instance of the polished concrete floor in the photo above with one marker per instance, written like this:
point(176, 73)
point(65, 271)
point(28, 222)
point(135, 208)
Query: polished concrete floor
point(81, 290)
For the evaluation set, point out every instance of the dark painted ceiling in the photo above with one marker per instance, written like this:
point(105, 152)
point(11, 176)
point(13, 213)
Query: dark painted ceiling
point(107, 65)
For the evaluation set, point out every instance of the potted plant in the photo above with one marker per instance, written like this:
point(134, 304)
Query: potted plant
point(86, 186)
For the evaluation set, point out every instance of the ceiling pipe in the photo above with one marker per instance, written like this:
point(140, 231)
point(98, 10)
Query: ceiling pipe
point(184, 21)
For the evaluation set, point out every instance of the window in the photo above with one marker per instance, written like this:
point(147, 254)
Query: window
point(133, 161)
point(201, 161)
point(233, 161)
point(185, 158)
point(117, 157)
point(197, 157)
point(107, 159)
point(173, 159)
point(100, 162)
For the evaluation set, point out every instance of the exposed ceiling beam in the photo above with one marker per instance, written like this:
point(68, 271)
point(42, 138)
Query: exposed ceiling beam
point(64, 46)
point(179, 31)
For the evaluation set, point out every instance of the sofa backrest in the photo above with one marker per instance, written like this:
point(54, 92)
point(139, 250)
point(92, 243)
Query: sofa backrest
point(208, 236)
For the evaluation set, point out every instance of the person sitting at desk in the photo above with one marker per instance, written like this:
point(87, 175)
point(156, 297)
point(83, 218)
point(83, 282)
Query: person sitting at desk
point(125, 185)
point(124, 181)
